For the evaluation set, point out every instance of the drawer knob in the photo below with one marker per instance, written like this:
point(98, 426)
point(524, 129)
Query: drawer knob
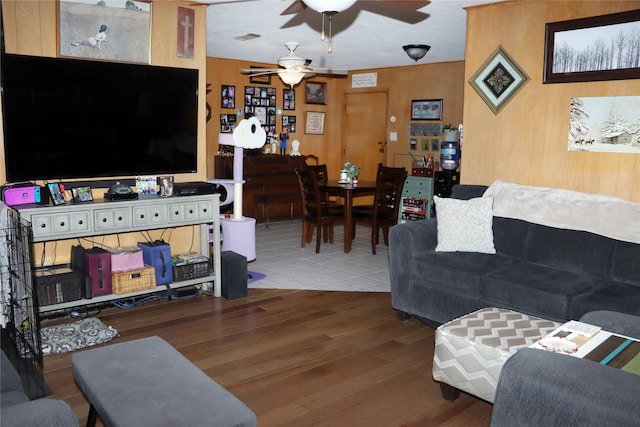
point(190, 211)
point(61, 223)
point(176, 213)
point(141, 216)
point(119, 218)
point(43, 225)
point(156, 214)
point(104, 219)
point(80, 222)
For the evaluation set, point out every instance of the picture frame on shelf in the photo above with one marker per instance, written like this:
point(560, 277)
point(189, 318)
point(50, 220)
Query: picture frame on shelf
point(498, 79)
point(314, 124)
point(82, 194)
point(228, 96)
point(166, 185)
point(147, 185)
point(315, 93)
point(426, 109)
point(570, 56)
point(263, 79)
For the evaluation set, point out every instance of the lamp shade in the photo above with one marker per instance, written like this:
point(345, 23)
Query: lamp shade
point(329, 5)
point(290, 77)
point(416, 51)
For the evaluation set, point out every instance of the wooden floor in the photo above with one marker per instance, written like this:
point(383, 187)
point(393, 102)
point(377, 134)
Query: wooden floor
point(297, 358)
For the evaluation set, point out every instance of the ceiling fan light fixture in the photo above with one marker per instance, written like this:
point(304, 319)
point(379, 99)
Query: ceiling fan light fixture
point(416, 51)
point(336, 6)
point(291, 78)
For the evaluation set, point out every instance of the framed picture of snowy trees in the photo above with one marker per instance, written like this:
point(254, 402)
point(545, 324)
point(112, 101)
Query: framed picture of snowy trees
point(596, 48)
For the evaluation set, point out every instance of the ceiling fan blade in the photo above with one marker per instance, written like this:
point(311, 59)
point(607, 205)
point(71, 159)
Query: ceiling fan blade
point(330, 71)
point(409, 4)
point(260, 71)
point(296, 7)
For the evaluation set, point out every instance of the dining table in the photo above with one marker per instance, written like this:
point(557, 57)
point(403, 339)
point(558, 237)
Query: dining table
point(348, 191)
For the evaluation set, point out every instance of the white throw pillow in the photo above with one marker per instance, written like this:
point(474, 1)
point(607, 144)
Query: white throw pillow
point(465, 225)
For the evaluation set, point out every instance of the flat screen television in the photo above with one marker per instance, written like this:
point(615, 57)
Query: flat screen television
point(72, 119)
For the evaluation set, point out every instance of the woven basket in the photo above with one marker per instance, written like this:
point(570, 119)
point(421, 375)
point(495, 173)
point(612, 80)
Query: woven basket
point(134, 280)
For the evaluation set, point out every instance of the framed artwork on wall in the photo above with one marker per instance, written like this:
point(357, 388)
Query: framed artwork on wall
point(289, 96)
point(592, 49)
point(185, 31)
point(288, 124)
point(498, 80)
point(426, 109)
point(227, 123)
point(261, 102)
point(84, 31)
point(264, 79)
point(315, 123)
point(315, 93)
point(228, 95)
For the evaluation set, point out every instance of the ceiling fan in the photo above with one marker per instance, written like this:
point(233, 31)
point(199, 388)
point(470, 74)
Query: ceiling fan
point(293, 68)
point(330, 8)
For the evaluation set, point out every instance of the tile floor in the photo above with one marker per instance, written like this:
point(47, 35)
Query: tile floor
point(288, 266)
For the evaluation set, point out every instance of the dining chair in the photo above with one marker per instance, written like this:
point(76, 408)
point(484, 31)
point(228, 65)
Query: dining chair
point(316, 212)
point(311, 157)
point(383, 213)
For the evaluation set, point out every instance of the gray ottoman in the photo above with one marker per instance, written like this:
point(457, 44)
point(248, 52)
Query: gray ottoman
point(147, 382)
point(471, 350)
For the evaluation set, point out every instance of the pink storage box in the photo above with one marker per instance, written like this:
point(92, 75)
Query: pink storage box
point(126, 259)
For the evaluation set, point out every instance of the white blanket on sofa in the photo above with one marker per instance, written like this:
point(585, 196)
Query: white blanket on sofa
point(604, 215)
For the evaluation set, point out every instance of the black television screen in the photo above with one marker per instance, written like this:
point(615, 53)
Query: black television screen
point(70, 118)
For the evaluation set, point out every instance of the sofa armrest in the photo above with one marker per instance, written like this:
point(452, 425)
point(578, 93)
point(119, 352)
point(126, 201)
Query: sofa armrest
point(538, 387)
point(613, 321)
point(406, 242)
point(39, 413)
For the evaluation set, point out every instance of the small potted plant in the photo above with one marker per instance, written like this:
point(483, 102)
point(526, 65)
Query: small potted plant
point(451, 134)
point(352, 171)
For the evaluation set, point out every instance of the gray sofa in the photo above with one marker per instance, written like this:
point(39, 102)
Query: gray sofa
point(17, 410)
point(541, 388)
point(553, 273)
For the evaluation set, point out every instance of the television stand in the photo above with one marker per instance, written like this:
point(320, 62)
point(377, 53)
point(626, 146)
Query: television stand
point(100, 217)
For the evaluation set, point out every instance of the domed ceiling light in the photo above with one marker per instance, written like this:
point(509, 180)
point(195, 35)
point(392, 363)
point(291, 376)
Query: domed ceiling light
point(329, 8)
point(416, 51)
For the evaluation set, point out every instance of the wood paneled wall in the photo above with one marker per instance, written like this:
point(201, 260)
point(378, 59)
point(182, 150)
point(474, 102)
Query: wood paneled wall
point(422, 81)
point(526, 142)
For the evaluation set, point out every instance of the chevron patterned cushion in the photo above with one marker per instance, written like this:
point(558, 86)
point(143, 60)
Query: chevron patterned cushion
point(471, 350)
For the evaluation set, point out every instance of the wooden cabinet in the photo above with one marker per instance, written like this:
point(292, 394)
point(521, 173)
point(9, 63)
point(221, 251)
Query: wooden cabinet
point(271, 187)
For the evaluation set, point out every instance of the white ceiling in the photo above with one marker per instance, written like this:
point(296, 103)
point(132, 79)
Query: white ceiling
point(370, 34)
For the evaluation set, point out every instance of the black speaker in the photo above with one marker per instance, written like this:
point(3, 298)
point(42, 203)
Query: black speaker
point(233, 273)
